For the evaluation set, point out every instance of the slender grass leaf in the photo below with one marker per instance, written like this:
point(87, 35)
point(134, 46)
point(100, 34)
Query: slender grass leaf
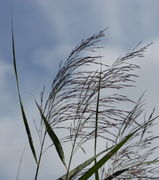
point(53, 137)
point(114, 175)
point(102, 161)
point(79, 168)
point(20, 100)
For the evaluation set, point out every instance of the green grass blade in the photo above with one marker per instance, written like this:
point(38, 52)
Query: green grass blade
point(20, 100)
point(102, 161)
point(53, 137)
point(80, 167)
point(114, 175)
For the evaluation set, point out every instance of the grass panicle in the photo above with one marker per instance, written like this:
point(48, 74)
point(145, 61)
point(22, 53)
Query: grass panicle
point(89, 105)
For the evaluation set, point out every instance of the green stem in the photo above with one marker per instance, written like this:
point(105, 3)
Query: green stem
point(70, 160)
point(40, 156)
point(96, 127)
point(72, 151)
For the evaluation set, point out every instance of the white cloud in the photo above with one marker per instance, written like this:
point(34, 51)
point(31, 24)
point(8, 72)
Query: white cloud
point(55, 17)
point(129, 22)
point(50, 58)
point(5, 91)
point(5, 68)
point(10, 136)
point(149, 74)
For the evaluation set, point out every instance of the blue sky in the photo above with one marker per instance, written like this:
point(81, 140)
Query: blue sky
point(45, 33)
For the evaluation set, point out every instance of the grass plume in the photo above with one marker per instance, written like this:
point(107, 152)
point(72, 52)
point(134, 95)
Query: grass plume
point(79, 105)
